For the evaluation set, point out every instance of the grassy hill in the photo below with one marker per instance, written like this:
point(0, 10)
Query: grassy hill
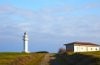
point(21, 58)
point(84, 58)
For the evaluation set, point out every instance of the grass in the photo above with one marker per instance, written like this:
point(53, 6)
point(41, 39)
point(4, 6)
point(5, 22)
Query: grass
point(6, 57)
point(36, 60)
point(13, 58)
point(96, 54)
point(82, 58)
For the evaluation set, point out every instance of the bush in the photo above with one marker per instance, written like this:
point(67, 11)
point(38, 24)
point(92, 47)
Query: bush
point(62, 51)
point(42, 52)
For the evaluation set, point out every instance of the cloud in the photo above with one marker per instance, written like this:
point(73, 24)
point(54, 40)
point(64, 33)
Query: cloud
point(12, 10)
point(51, 25)
point(92, 5)
point(55, 21)
point(24, 27)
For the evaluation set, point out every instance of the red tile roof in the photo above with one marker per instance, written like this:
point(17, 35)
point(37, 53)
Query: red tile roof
point(83, 43)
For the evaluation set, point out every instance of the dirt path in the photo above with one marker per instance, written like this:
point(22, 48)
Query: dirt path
point(46, 60)
point(49, 59)
point(54, 60)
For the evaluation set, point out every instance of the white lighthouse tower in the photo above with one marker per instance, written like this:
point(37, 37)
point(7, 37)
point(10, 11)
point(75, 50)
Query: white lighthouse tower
point(25, 40)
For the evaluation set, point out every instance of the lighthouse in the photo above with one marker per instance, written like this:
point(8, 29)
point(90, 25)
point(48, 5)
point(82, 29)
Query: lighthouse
point(25, 40)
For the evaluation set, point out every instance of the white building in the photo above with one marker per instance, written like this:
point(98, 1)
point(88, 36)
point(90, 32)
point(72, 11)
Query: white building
point(25, 40)
point(82, 47)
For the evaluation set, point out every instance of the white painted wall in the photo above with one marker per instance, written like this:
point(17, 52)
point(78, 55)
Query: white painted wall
point(25, 40)
point(26, 46)
point(86, 48)
point(80, 48)
point(94, 48)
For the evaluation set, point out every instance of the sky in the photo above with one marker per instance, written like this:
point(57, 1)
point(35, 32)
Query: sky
point(49, 23)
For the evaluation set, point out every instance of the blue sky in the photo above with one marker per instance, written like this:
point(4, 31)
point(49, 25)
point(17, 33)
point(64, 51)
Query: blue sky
point(49, 23)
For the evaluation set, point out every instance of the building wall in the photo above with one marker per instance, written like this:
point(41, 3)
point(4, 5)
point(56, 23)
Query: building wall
point(94, 48)
point(80, 48)
point(70, 47)
point(86, 48)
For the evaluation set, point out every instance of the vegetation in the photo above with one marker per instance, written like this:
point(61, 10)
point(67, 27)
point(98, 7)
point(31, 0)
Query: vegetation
point(61, 51)
point(21, 58)
point(42, 52)
point(84, 58)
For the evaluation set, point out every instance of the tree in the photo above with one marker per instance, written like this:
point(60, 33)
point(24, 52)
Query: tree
point(62, 51)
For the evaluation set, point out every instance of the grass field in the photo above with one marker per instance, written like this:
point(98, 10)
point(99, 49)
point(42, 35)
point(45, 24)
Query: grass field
point(13, 58)
point(83, 58)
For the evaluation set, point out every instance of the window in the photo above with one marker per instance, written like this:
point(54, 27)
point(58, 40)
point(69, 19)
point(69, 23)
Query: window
point(81, 48)
point(91, 48)
point(96, 49)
